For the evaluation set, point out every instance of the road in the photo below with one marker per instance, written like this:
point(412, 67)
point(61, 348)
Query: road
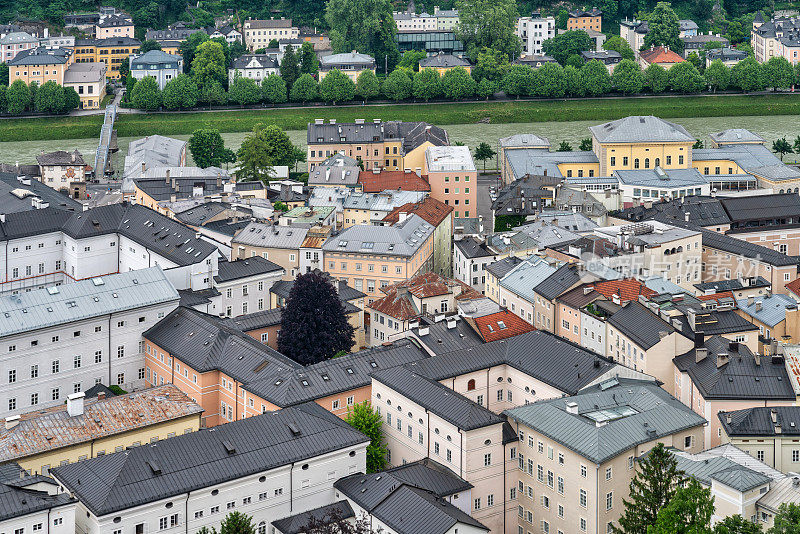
point(103, 194)
point(484, 201)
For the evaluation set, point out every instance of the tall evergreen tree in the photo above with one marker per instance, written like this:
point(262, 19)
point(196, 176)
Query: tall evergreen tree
point(290, 67)
point(314, 325)
point(308, 59)
point(664, 29)
point(651, 489)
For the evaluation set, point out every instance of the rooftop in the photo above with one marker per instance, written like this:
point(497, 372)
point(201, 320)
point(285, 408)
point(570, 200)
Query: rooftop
point(640, 325)
point(449, 158)
point(664, 178)
point(271, 236)
point(245, 268)
point(762, 421)
point(403, 239)
point(641, 128)
point(433, 211)
point(769, 310)
point(21, 495)
point(501, 325)
point(375, 182)
point(660, 54)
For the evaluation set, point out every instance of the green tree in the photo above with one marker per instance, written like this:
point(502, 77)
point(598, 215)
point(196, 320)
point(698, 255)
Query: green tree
point(627, 77)
point(367, 85)
point(698, 144)
point(565, 147)
point(363, 25)
point(651, 489)
point(188, 48)
point(573, 84)
point(149, 45)
point(778, 73)
point(208, 148)
point(235, 50)
point(486, 88)
point(213, 94)
point(488, 24)
point(181, 92)
point(397, 86)
point(305, 89)
point(787, 520)
point(336, 86)
point(503, 223)
point(574, 61)
point(369, 423)
point(717, 76)
point(209, 64)
point(280, 206)
point(618, 44)
point(596, 80)
point(664, 29)
point(273, 43)
point(736, 524)
point(308, 59)
point(567, 44)
point(50, 98)
point(273, 89)
point(427, 84)
point(237, 523)
point(688, 512)
point(383, 45)
point(747, 75)
point(3, 99)
point(71, 100)
point(484, 152)
point(517, 80)
point(244, 91)
point(656, 78)
point(125, 67)
point(410, 60)
point(491, 65)
point(33, 88)
point(3, 74)
point(684, 78)
point(796, 145)
point(586, 144)
point(561, 19)
point(290, 67)
point(550, 78)
point(695, 59)
point(146, 95)
point(263, 148)
point(781, 146)
point(458, 84)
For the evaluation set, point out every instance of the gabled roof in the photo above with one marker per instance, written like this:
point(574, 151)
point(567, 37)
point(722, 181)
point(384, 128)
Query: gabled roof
point(742, 209)
point(523, 279)
point(61, 157)
point(375, 182)
point(172, 467)
point(744, 248)
point(282, 288)
point(298, 523)
point(769, 310)
point(399, 305)
point(641, 129)
point(442, 60)
point(403, 239)
point(17, 500)
point(741, 377)
point(639, 324)
point(706, 468)
point(660, 54)
point(431, 210)
point(633, 412)
point(626, 289)
point(563, 279)
point(245, 268)
point(471, 247)
point(758, 421)
point(501, 325)
point(271, 236)
point(502, 267)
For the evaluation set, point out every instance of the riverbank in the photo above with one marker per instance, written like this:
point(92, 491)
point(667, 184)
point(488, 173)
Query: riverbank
point(600, 109)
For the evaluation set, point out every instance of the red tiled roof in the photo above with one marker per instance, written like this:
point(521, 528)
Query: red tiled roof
point(375, 182)
point(431, 210)
point(794, 286)
point(400, 306)
point(627, 289)
point(490, 329)
point(719, 295)
point(660, 54)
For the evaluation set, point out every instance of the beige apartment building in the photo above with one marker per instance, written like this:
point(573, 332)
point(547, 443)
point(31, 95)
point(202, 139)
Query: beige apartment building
point(40, 65)
point(278, 244)
point(577, 455)
point(453, 178)
point(258, 33)
point(769, 434)
point(89, 427)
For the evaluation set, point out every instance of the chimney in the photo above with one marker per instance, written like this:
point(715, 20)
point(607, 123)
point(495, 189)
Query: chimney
point(166, 175)
point(700, 354)
point(424, 331)
point(143, 167)
point(758, 306)
point(572, 407)
point(757, 358)
point(751, 300)
point(722, 359)
point(101, 396)
point(12, 421)
point(774, 415)
point(75, 404)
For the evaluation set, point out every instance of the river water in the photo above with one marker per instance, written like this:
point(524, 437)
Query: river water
point(769, 127)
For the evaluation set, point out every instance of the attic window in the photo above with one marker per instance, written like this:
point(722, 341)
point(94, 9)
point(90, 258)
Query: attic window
point(491, 329)
point(501, 324)
point(52, 290)
point(98, 281)
point(278, 382)
point(325, 377)
point(342, 243)
point(305, 383)
point(373, 364)
point(349, 371)
point(71, 304)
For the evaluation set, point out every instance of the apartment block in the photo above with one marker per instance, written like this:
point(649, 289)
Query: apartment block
point(258, 33)
point(769, 434)
point(453, 178)
point(533, 31)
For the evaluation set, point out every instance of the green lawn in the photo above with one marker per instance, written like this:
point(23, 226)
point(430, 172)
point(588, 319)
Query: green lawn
point(456, 113)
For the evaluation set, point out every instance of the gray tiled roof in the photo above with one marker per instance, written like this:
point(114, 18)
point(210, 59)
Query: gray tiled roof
point(473, 248)
point(298, 523)
point(523, 279)
point(754, 159)
point(744, 248)
point(640, 129)
point(442, 60)
point(702, 211)
point(40, 56)
point(740, 378)
point(773, 308)
point(346, 59)
point(262, 61)
point(546, 234)
point(17, 500)
point(255, 320)
point(401, 239)
point(172, 467)
point(413, 134)
point(541, 161)
point(560, 281)
point(155, 57)
point(16, 196)
point(758, 421)
point(661, 177)
point(749, 208)
point(500, 268)
point(736, 135)
point(732, 285)
point(271, 236)
point(282, 288)
point(721, 469)
point(440, 339)
point(524, 140)
point(244, 268)
point(656, 414)
point(640, 325)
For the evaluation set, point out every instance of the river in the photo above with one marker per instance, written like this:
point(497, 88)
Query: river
point(769, 127)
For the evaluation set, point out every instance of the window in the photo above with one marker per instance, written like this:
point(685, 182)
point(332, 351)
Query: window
point(796, 455)
point(608, 473)
point(477, 504)
point(583, 521)
point(687, 442)
point(487, 460)
point(760, 456)
point(583, 471)
point(55, 366)
point(12, 376)
point(582, 498)
point(560, 485)
point(609, 500)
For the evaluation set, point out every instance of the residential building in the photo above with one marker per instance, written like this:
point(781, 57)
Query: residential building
point(86, 428)
point(729, 56)
point(337, 171)
point(13, 43)
point(583, 19)
point(719, 377)
point(374, 257)
point(392, 145)
point(150, 152)
point(258, 33)
point(227, 32)
point(303, 450)
point(446, 19)
point(453, 178)
point(112, 51)
point(177, 32)
point(373, 208)
point(609, 58)
point(244, 285)
point(687, 28)
point(379, 180)
point(774, 38)
point(40, 65)
point(534, 31)
point(633, 31)
point(312, 216)
point(254, 66)
point(471, 256)
point(442, 63)
point(774, 315)
point(534, 61)
point(59, 340)
point(637, 185)
point(581, 451)
point(61, 169)
point(351, 64)
point(279, 244)
point(89, 81)
point(19, 192)
point(770, 434)
point(31, 503)
point(659, 55)
point(696, 44)
point(156, 64)
point(116, 25)
point(423, 295)
point(410, 21)
point(517, 142)
point(438, 215)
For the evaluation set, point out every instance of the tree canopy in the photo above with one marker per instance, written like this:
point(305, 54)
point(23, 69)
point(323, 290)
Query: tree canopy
point(567, 44)
point(368, 422)
point(488, 24)
point(336, 86)
point(208, 148)
point(261, 150)
point(146, 95)
point(363, 25)
point(664, 28)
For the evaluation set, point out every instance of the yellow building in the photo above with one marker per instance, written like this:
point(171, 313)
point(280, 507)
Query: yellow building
point(392, 145)
point(585, 20)
point(87, 428)
point(442, 63)
point(351, 63)
point(40, 65)
point(112, 51)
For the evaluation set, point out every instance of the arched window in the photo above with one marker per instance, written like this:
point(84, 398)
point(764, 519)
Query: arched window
point(636, 163)
point(471, 384)
point(658, 162)
point(646, 163)
point(262, 527)
point(781, 191)
point(680, 249)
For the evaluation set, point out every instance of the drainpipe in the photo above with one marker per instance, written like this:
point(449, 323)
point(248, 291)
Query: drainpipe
point(186, 513)
point(461, 456)
point(291, 488)
point(109, 349)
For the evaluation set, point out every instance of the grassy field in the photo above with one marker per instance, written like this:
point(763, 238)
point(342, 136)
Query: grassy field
point(455, 113)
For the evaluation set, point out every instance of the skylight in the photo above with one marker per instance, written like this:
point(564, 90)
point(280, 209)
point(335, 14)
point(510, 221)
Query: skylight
point(501, 324)
point(610, 414)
